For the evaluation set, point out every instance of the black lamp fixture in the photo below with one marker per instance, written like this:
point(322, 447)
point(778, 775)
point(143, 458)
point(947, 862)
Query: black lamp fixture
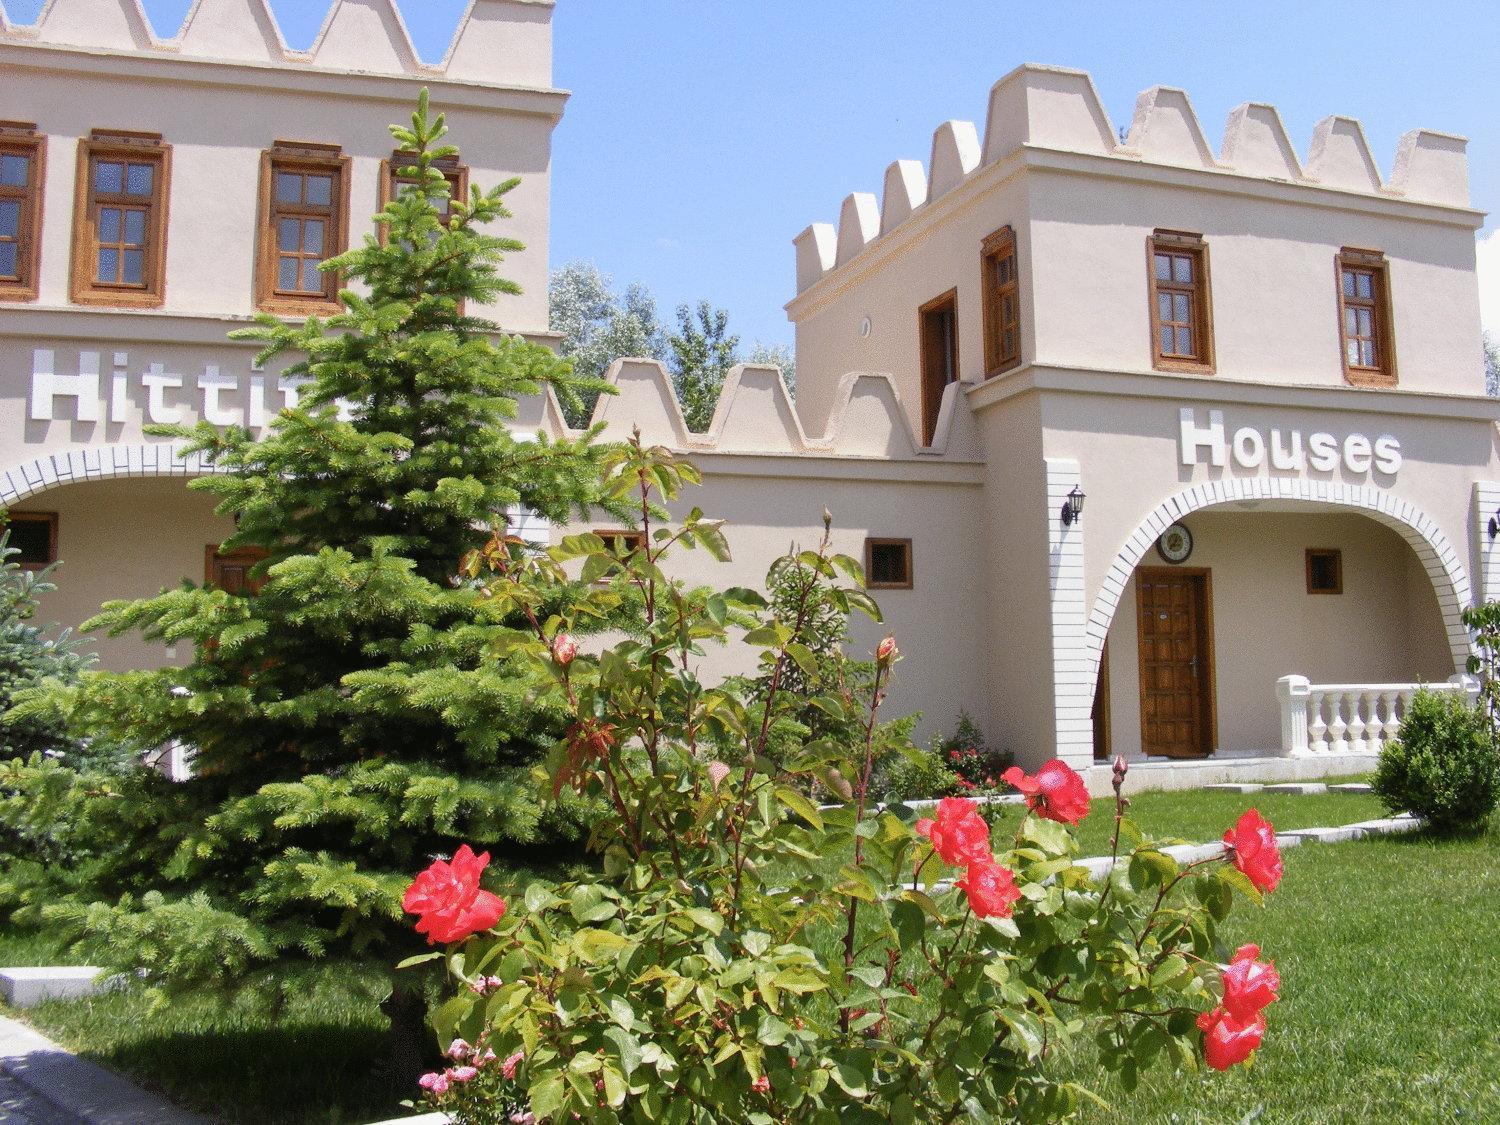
point(1072, 507)
point(1495, 524)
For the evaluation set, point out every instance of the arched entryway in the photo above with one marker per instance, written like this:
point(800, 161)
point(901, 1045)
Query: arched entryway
point(1246, 610)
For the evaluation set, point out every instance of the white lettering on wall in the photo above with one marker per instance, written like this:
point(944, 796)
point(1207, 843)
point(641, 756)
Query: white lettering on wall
point(166, 402)
point(47, 384)
point(1323, 452)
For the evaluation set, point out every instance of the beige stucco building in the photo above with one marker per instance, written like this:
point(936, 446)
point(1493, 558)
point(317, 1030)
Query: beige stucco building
point(1153, 448)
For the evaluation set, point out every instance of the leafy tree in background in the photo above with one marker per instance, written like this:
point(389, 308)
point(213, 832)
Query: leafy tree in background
point(703, 351)
point(1491, 366)
point(599, 326)
point(358, 713)
point(777, 355)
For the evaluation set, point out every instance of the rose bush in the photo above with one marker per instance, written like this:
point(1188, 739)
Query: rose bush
point(742, 954)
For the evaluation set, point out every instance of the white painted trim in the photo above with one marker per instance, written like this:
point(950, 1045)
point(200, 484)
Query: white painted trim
point(100, 462)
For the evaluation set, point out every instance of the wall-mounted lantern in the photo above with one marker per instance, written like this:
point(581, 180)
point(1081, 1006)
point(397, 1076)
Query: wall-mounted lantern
point(1072, 507)
point(1495, 524)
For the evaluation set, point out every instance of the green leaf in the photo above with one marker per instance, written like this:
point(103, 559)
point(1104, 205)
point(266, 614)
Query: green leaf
point(1239, 881)
point(800, 805)
point(546, 1096)
point(705, 920)
point(419, 959)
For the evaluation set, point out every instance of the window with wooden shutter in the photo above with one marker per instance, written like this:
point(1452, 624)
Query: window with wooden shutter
point(395, 175)
point(1365, 318)
point(937, 327)
point(304, 222)
point(1002, 303)
point(230, 570)
point(1181, 308)
point(120, 225)
point(22, 169)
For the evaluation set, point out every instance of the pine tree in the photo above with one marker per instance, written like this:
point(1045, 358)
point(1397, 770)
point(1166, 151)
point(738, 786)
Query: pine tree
point(31, 655)
point(357, 714)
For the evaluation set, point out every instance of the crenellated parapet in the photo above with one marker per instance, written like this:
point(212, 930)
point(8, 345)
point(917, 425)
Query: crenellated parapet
point(497, 42)
point(1053, 108)
point(754, 416)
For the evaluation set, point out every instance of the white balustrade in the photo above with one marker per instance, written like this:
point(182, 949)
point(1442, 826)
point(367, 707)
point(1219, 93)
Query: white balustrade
point(1348, 718)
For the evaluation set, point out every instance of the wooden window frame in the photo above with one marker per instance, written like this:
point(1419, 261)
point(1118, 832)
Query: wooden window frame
point(873, 541)
point(212, 556)
point(932, 405)
point(84, 289)
point(456, 173)
point(1383, 374)
point(996, 247)
point(1337, 555)
point(51, 520)
point(629, 534)
point(20, 138)
point(303, 156)
point(1202, 306)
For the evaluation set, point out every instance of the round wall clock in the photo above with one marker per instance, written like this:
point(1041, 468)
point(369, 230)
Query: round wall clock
point(1175, 544)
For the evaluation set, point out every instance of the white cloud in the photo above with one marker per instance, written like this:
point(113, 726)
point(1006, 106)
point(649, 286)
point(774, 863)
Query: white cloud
point(1488, 267)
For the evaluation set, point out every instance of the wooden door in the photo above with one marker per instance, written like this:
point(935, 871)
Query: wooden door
point(1173, 608)
point(230, 571)
point(937, 324)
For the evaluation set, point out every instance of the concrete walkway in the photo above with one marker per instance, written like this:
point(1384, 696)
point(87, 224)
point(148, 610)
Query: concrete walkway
point(43, 1084)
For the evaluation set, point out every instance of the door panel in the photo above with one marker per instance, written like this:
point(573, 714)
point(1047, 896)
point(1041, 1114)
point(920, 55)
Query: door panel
point(1176, 662)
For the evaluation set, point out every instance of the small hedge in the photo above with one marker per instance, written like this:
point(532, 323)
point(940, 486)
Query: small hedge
point(1443, 766)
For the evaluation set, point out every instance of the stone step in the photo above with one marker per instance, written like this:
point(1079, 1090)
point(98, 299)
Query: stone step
point(1234, 787)
point(1352, 787)
point(1303, 787)
point(27, 987)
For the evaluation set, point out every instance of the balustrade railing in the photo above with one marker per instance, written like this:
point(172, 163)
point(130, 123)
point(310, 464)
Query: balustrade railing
point(1348, 718)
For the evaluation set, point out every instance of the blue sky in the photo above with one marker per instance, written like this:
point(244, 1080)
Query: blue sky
point(702, 136)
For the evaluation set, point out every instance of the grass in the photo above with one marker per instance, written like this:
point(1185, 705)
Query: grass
point(1390, 1009)
point(1387, 950)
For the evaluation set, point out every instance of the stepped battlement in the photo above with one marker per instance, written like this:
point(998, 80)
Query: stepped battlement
point(1054, 108)
point(497, 42)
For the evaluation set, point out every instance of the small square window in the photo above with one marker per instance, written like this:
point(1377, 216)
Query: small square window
point(34, 534)
point(1325, 570)
point(888, 564)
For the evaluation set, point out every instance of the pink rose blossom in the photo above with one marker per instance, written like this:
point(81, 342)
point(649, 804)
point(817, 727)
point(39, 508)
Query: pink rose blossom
point(508, 1067)
point(761, 1085)
point(459, 1049)
point(463, 1073)
point(434, 1083)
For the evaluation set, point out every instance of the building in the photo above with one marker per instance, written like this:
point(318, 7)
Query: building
point(1150, 450)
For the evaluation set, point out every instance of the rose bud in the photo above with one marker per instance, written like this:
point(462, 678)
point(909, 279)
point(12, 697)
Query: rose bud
point(887, 650)
point(564, 648)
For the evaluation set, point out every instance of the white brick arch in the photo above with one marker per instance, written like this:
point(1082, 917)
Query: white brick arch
point(1443, 564)
point(101, 462)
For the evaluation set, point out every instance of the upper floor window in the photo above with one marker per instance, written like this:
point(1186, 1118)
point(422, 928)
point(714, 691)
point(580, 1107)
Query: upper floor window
point(120, 230)
point(303, 223)
point(1365, 318)
point(1181, 312)
point(21, 167)
point(395, 174)
point(938, 333)
point(1002, 303)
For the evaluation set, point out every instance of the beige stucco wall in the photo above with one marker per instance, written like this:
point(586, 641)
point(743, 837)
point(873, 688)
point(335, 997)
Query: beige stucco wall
point(125, 539)
point(942, 624)
point(217, 143)
point(1273, 281)
point(888, 284)
point(1384, 628)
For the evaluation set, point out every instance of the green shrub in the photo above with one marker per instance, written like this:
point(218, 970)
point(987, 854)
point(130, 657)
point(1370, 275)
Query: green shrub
point(917, 774)
point(1443, 766)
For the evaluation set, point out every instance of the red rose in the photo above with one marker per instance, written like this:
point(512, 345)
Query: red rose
point(1226, 1040)
point(1249, 984)
point(449, 899)
point(959, 833)
point(991, 889)
point(1056, 792)
point(1252, 844)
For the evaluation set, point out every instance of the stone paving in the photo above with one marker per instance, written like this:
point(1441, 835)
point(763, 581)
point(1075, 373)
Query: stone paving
point(20, 1106)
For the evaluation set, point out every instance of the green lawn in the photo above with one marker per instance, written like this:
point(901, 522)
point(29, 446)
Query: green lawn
point(1388, 951)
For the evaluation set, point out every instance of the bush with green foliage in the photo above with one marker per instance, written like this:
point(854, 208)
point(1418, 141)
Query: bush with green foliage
point(742, 955)
point(1443, 765)
point(352, 716)
point(30, 655)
